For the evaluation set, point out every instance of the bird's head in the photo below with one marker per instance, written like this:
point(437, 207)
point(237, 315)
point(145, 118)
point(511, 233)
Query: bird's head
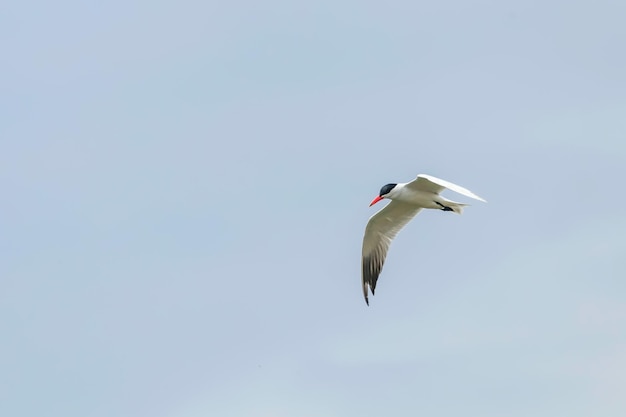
point(385, 191)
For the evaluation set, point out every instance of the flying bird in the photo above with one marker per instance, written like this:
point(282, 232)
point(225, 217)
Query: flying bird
point(407, 200)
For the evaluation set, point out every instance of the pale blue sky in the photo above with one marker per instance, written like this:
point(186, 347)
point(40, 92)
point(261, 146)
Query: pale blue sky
point(186, 186)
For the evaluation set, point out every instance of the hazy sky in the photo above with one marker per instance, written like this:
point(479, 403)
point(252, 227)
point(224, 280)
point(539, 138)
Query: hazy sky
point(186, 184)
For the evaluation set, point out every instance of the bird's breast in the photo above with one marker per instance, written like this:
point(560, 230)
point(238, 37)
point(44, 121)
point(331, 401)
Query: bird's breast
point(417, 198)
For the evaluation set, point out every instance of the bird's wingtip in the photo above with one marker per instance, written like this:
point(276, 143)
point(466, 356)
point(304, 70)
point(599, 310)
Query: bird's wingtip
point(367, 287)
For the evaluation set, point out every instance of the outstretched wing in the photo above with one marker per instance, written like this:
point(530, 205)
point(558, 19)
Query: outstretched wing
point(381, 229)
point(436, 185)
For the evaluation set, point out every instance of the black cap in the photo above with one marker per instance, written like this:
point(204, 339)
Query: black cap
point(387, 189)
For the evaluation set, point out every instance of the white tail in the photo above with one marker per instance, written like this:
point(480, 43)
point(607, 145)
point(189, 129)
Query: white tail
point(456, 207)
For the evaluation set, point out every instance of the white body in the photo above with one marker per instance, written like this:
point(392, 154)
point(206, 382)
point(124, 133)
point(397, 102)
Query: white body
point(407, 200)
point(418, 198)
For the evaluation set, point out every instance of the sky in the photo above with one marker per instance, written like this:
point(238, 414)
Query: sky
point(186, 186)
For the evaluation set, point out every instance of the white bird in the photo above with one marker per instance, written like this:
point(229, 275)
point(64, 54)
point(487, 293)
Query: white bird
point(407, 200)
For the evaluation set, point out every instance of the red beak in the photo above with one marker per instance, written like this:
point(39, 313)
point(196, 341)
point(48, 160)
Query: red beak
point(376, 200)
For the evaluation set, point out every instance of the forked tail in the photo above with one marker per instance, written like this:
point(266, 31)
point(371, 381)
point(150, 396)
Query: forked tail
point(454, 206)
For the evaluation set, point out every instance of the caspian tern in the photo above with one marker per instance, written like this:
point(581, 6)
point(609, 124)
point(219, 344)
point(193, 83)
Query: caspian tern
point(407, 200)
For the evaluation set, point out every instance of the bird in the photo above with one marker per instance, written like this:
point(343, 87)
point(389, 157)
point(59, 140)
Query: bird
point(407, 199)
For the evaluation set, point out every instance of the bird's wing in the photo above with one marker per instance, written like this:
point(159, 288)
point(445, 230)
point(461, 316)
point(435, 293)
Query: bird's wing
point(436, 185)
point(379, 232)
